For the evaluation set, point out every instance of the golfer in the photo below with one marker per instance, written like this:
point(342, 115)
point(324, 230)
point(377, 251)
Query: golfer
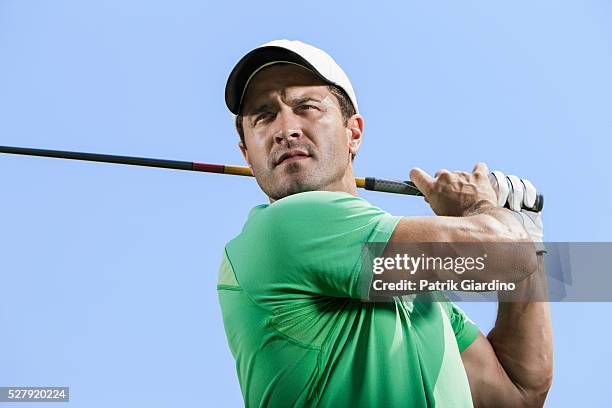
point(290, 287)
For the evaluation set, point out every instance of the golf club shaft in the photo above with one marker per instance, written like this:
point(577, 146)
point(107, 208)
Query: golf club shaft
point(368, 183)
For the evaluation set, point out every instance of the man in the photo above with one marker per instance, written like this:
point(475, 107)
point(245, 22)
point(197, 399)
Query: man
point(290, 288)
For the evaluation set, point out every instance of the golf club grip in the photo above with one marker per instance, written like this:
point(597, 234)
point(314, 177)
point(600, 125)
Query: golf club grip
point(408, 187)
point(391, 186)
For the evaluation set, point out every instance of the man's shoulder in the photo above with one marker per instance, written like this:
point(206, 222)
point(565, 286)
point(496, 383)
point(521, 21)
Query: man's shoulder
point(294, 213)
point(315, 199)
point(311, 204)
point(308, 211)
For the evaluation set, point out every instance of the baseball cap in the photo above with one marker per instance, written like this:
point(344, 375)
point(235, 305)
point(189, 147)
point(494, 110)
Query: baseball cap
point(284, 51)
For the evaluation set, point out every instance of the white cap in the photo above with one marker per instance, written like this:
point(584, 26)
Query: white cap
point(284, 51)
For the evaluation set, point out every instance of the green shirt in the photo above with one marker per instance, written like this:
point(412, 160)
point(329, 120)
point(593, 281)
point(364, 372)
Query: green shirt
point(289, 288)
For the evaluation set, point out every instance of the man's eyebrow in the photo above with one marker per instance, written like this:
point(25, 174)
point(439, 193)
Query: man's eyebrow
point(261, 108)
point(300, 101)
point(268, 106)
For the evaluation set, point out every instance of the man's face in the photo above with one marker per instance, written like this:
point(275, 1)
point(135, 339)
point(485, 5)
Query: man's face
point(295, 138)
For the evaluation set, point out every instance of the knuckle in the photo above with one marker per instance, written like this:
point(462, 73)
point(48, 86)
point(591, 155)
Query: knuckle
point(444, 178)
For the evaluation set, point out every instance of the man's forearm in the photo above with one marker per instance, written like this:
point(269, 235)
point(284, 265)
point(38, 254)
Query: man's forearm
point(495, 232)
point(522, 338)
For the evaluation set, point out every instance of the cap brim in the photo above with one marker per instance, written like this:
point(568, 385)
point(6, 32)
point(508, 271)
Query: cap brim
point(250, 63)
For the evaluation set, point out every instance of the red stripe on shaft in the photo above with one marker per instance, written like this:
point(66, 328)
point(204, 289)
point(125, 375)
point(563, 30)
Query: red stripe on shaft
point(209, 168)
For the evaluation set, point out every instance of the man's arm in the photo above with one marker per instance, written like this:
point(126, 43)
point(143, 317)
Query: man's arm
point(442, 236)
point(512, 366)
point(466, 211)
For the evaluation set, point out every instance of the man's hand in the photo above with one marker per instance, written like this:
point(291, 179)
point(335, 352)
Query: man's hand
point(459, 193)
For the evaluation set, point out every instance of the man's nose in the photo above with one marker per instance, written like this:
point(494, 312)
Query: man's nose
point(289, 126)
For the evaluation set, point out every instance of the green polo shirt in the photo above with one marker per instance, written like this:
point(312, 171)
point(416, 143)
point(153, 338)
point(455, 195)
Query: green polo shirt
point(289, 288)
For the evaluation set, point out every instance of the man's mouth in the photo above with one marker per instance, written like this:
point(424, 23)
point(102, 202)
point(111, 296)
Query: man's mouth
point(292, 156)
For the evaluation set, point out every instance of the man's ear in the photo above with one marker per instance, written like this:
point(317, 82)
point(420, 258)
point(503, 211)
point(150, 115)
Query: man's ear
point(245, 152)
point(355, 131)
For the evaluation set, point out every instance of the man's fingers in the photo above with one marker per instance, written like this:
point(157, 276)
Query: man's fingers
point(422, 180)
point(440, 172)
point(517, 192)
point(529, 198)
point(502, 187)
point(481, 168)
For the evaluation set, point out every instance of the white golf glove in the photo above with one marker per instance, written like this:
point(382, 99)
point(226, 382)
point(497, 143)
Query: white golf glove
point(516, 193)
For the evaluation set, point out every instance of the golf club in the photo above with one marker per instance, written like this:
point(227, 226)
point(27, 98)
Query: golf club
point(368, 183)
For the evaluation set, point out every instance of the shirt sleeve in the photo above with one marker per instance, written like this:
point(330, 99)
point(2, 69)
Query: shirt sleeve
point(464, 328)
point(307, 243)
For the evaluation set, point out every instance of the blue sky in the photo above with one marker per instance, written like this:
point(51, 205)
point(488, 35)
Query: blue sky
point(108, 272)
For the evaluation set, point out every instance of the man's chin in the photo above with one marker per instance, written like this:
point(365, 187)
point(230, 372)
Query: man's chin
point(292, 167)
point(297, 186)
point(294, 183)
point(292, 178)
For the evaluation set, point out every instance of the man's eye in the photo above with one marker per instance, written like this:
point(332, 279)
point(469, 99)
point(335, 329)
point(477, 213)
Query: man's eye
point(263, 116)
point(306, 107)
